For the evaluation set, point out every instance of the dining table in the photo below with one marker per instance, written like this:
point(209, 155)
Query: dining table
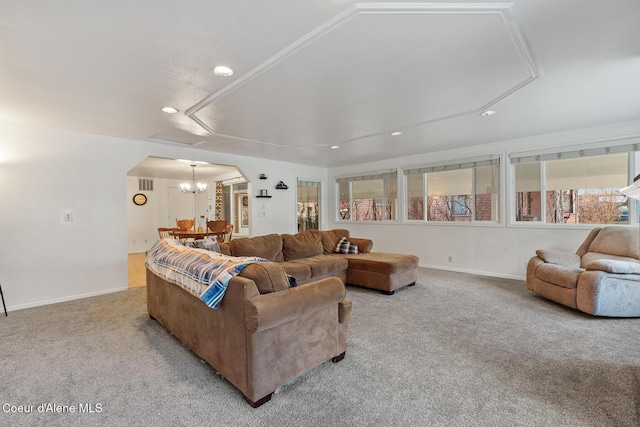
point(190, 234)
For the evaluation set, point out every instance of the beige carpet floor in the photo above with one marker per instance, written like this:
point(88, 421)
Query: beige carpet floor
point(455, 350)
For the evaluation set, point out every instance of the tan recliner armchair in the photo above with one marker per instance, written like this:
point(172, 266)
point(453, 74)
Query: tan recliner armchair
point(602, 278)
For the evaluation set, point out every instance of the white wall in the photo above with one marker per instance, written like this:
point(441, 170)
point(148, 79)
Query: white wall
point(143, 221)
point(500, 250)
point(45, 172)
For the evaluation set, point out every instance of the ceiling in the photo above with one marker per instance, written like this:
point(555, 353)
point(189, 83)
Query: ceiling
point(312, 74)
point(158, 167)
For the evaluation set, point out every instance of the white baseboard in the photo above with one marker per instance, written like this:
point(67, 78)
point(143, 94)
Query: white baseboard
point(477, 272)
point(63, 299)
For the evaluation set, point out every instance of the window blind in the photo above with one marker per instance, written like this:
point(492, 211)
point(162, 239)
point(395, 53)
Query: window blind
point(574, 154)
point(465, 164)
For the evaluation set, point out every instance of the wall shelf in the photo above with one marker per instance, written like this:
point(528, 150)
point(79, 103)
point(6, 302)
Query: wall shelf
point(263, 197)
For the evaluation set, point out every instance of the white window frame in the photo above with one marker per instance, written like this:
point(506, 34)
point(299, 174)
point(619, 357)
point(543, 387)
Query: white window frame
point(364, 177)
point(470, 163)
point(631, 146)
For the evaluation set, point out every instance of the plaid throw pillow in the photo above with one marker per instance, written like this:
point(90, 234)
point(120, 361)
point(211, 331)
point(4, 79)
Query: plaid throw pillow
point(346, 247)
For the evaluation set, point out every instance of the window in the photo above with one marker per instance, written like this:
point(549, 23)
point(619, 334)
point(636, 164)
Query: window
point(461, 192)
point(368, 198)
point(578, 187)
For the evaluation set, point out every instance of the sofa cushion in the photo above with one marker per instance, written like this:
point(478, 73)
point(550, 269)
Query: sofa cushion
point(323, 265)
point(344, 246)
point(382, 263)
point(301, 245)
point(225, 249)
point(559, 275)
point(268, 276)
point(616, 240)
point(614, 266)
point(268, 247)
point(300, 271)
point(330, 239)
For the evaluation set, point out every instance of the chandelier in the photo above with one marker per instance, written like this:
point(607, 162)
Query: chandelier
point(193, 187)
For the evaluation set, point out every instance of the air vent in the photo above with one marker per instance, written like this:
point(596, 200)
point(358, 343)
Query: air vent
point(145, 184)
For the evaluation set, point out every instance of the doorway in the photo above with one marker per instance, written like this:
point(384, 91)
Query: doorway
point(241, 209)
point(159, 180)
point(308, 205)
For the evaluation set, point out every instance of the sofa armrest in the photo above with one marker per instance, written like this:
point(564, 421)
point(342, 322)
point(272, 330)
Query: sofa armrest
point(614, 266)
point(552, 256)
point(269, 310)
point(364, 245)
point(344, 311)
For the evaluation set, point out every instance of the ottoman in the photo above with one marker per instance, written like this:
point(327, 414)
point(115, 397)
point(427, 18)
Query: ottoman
point(382, 271)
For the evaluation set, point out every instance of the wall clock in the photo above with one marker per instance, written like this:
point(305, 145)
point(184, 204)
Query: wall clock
point(139, 199)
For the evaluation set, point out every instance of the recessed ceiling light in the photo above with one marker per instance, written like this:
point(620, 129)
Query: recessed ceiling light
point(170, 110)
point(487, 113)
point(335, 147)
point(222, 71)
point(396, 133)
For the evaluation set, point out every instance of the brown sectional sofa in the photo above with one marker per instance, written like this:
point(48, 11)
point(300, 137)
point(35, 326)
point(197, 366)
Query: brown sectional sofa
point(310, 256)
point(264, 334)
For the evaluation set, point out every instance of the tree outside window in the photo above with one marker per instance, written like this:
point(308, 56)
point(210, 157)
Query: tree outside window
point(368, 198)
point(583, 190)
point(466, 192)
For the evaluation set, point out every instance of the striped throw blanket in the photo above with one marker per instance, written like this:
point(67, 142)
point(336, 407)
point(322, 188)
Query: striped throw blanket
point(204, 273)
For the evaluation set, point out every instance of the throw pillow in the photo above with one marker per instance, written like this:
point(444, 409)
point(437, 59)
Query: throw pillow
point(346, 247)
point(209, 243)
point(292, 281)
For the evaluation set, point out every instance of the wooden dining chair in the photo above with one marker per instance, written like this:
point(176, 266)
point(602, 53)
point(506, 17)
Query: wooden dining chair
point(219, 227)
point(228, 233)
point(164, 232)
point(185, 224)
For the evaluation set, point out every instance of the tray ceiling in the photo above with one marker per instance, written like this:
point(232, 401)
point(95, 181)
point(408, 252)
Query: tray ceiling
point(314, 74)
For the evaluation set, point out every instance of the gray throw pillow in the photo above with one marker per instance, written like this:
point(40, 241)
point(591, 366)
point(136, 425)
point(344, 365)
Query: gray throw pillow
point(209, 243)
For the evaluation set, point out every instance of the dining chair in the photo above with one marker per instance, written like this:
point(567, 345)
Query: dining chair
point(164, 232)
point(219, 227)
point(228, 233)
point(185, 224)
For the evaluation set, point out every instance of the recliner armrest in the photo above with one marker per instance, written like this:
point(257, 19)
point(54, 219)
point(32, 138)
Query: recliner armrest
point(614, 266)
point(553, 256)
point(273, 309)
